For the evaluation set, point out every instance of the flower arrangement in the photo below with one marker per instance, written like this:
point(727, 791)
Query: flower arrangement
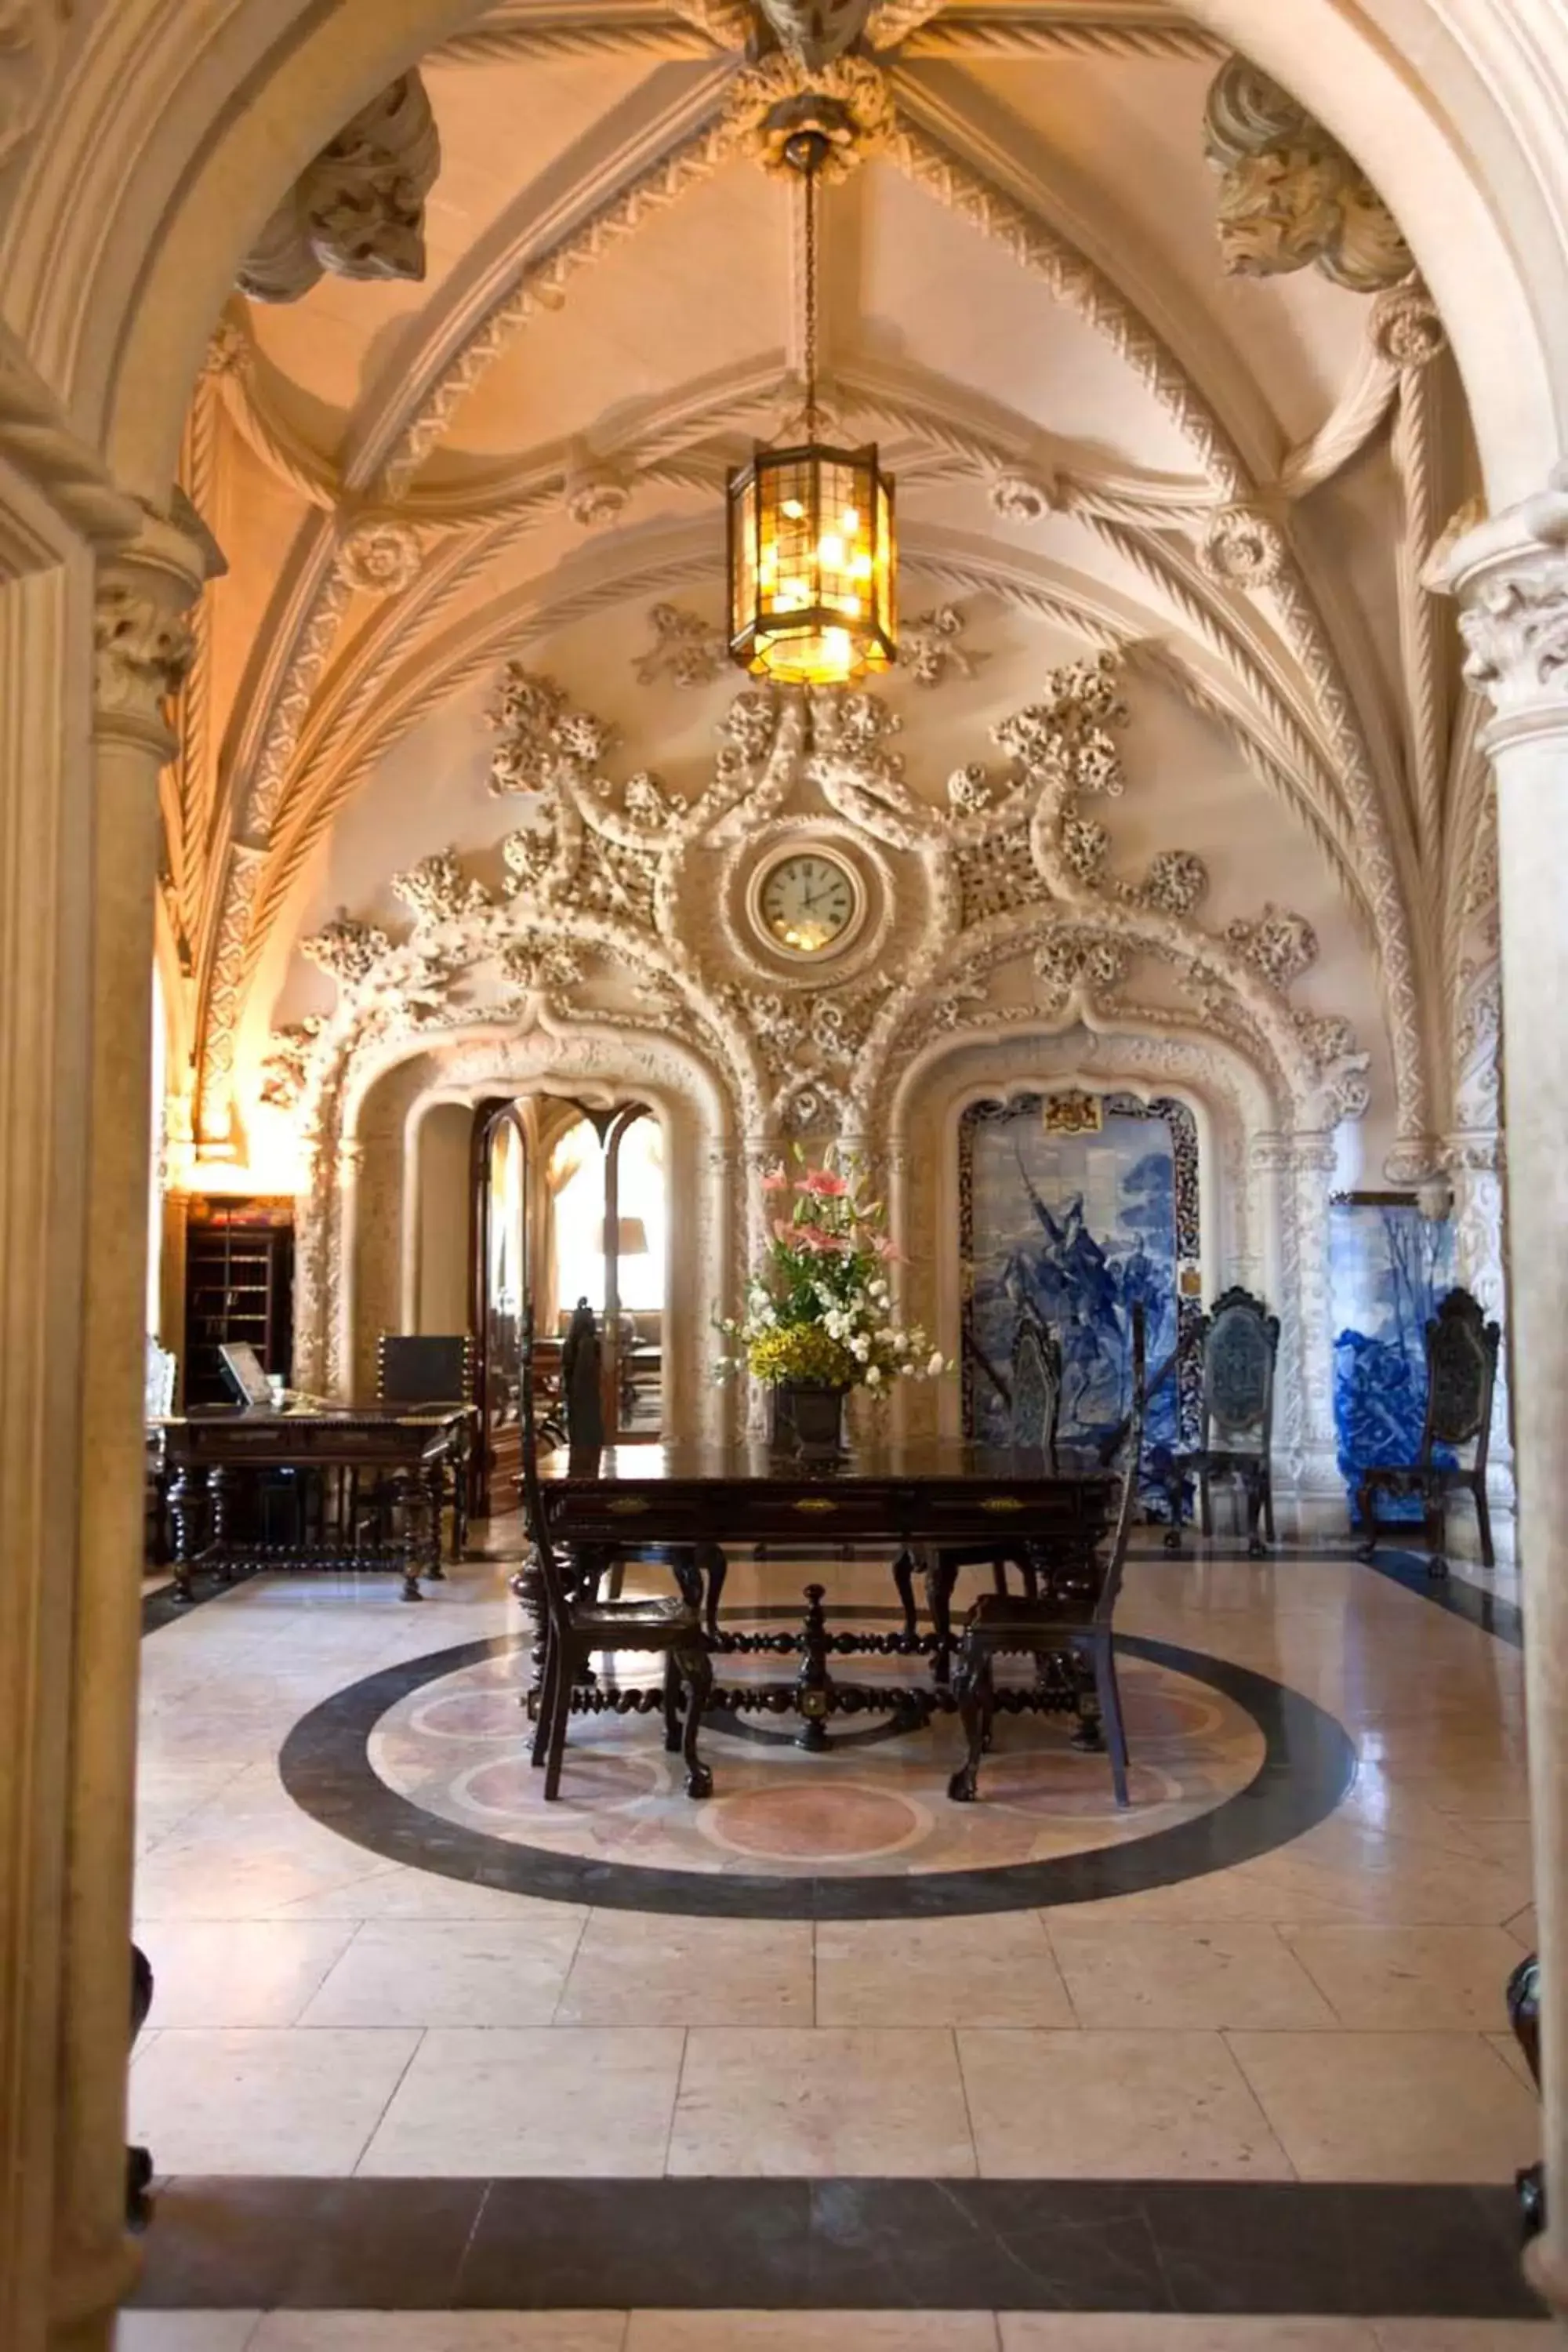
point(819, 1309)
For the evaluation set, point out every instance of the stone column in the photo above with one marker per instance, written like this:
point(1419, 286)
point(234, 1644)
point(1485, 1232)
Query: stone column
point(1303, 1167)
point(143, 642)
point(1512, 578)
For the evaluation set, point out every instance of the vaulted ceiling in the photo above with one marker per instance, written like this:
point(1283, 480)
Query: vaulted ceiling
point(1235, 477)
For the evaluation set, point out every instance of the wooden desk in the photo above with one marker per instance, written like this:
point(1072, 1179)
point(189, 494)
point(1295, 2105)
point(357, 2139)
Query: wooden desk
point(418, 1446)
point(920, 1500)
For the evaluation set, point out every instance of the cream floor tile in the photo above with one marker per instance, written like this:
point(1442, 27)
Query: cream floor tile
point(1123, 2106)
point(1391, 2107)
point(284, 2101)
point(186, 2331)
point(1525, 1928)
point(1410, 1978)
point(1125, 2331)
point(257, 1875)
point(811, 2331)
point(441, 2331)
point(633, 1967)
point(448, 1972)
point(995, 1969)
point(820, 2104)
point(239, 1972)
point(1146, 1975)
point(1272, 1891)
point(1513, 2057)
point(1399, 1880)
point(1505, 1842)
point(388, 1891)
point(582, 2101)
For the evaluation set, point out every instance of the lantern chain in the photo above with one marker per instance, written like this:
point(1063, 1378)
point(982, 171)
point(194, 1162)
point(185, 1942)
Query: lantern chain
point(811, 421)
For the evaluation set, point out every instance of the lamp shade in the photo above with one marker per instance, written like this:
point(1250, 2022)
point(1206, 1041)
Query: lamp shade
point(813, 564)
point(633, 1237)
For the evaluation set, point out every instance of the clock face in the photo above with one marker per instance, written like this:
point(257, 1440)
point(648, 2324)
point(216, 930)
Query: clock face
point(809, 902)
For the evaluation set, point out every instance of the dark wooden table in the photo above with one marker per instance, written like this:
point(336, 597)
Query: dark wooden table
point(921, 1500)
point(418, 1447)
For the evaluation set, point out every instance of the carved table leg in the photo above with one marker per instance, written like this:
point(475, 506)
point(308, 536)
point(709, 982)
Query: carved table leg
point(814, 1684)
point(407, 1498)
point(1090, 1737)
point(973, 1690)
point(434, 1490)
point(1173, 1537)
point(218, 1489)
point(715, 1563)
point(904, 1582)
point(696, 1667)
point(940, 1580)
point(186, 1505)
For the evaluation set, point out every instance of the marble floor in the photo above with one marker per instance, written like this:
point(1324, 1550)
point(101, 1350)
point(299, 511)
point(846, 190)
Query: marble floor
point(1272, 1992)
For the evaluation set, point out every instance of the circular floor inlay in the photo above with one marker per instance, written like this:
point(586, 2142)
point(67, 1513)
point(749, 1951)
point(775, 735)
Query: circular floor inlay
point(427, 1764)
point(827, 1823)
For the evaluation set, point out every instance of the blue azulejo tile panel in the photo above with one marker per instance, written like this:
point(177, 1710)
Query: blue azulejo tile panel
point(1074, 1209)
point(1388, 1268)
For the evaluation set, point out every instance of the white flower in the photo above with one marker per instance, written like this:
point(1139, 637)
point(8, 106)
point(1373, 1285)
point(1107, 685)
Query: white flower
point(860, 1347)
point(873, 1376)
point(935, 1366)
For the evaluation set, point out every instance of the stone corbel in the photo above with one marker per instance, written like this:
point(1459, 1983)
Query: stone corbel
point(358, 209)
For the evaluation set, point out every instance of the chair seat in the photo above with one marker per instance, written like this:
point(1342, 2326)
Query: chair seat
point(999, 1613)
point(1220, 1457)
point(1409, 1477)
point(632, 1618)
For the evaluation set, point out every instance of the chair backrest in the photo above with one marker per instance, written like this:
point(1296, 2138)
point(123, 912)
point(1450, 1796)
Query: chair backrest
point(1036, 1385)
point(1240, 1346)
point(581, 1381)
point(534, 1513)
point(1131, 1459)
point(424, 1368)
point(1461, 1372)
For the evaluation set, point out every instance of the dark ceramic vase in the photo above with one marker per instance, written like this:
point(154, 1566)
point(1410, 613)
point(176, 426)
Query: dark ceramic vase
point(808, 1418)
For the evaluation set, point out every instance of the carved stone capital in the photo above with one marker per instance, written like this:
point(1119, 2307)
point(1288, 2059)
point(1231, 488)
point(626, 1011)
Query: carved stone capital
point(1510, 576)
point(1475, 1152)
point(1415, 1161)
point(358, 209)
point(142, 627)
point(1309, 1153)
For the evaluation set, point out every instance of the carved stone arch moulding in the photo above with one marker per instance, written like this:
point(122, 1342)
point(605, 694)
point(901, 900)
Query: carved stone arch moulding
point(1234, 1109)
point(350, 1254)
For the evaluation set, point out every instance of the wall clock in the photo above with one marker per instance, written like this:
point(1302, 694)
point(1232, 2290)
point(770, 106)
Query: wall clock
point(806, 901)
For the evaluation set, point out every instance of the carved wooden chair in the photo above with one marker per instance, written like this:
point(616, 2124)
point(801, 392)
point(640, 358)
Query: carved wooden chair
point(432, 1368)
point(1240, 1342)
point(1034, 1407)
point(1065, 1628)
point(1461, 1376)
point(576, 1626)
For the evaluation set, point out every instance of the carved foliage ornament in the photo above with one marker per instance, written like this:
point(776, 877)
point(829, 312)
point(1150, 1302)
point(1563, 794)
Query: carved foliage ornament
point(618, 885)
point(381, 558)
point(1290, 195)
point(849, 101)
point(358, 210)
point(1242, 547)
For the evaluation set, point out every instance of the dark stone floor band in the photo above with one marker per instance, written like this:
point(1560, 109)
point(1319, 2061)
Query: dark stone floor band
point(1308, 1765)
point(1353, 2250)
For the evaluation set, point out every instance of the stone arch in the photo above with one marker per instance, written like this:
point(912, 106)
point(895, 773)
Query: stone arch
point(1251, 1218)
point(348, 1278)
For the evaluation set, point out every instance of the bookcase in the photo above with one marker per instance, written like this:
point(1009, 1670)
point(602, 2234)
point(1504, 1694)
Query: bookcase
point(239, 1280)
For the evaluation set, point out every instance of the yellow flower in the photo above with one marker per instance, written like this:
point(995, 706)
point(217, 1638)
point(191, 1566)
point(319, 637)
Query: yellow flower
point(802, 1351)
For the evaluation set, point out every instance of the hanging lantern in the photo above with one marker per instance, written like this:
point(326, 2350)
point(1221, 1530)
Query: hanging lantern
point(813, 559)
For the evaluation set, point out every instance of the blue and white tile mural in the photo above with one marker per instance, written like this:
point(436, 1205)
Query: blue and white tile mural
point(1388, 1268)
point(1075, 1227)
